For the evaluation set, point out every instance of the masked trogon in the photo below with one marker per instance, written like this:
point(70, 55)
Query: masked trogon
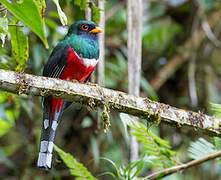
point(74, 58)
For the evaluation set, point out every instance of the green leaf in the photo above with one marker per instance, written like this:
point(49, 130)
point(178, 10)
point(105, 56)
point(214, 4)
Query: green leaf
point(146, 87)
point(76, 169)
point(138, 164)
point(19, 43)
point(41, 6)
point(61, 14)
point(216, 109)
point(96, 14)
point(81, 3)
point(29, 13)
point(108, 173)
point(157, 34)
point(160, 151)
point(113, 164)
point(200, 148)
point(217, 144)
point(3, 29)
point(4, 127)
point(77, 2)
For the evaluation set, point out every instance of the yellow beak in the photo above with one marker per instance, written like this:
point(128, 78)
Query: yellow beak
point(96, 30)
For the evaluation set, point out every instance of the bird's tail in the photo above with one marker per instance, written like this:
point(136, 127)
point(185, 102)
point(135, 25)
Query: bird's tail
point(49, 127)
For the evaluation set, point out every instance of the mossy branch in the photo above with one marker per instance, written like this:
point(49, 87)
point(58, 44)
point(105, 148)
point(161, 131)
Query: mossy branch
point(96, 96)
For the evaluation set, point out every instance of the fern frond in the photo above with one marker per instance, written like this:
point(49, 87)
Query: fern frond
point(154, 146)
point(126, 172)
point(76, 169)
point(216, 109)
point(200, 148)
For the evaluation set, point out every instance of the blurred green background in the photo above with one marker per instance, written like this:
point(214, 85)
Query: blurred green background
point(181, 67)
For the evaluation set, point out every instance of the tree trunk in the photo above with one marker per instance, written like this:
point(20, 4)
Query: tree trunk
point(134, 44)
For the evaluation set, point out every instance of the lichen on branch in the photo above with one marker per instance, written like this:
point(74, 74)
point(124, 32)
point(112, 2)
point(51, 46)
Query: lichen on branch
point(21, 83)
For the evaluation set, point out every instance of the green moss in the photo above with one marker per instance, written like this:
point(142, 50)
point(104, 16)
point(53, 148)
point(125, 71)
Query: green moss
point(105, 117)
point(91, 104)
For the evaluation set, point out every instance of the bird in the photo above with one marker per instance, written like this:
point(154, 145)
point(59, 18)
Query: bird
point(73, 58)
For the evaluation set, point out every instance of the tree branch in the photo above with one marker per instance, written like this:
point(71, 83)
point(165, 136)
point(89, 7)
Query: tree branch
point(175, 169)
point(211, 36)
point(94, 96)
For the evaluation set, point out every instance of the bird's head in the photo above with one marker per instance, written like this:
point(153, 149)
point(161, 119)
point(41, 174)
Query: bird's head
point(88, 29)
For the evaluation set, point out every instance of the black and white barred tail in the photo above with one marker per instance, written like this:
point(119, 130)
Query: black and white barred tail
point(48, 133)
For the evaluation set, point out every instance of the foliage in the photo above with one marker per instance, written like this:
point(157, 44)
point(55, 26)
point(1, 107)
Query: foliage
point(154, 34)
point(76, 169)
point(157, 153)
point(62, 15)
point(167, 28)
point(216, 109)
point(28, 12)
point(81, 3)
point(146, 87)
point(9, 111)
point(96, 14)
point(19, 43)
point(95, 10)
point(200, 148)
point(158, 150)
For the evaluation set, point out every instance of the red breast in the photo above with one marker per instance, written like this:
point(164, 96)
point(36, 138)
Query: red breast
point(78, 68)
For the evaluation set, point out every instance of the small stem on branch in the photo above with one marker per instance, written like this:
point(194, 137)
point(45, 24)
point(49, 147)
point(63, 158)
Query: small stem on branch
point(175, 169)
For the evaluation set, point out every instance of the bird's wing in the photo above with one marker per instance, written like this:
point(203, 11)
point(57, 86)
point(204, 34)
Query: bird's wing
point(56, 63)
point(54, 68)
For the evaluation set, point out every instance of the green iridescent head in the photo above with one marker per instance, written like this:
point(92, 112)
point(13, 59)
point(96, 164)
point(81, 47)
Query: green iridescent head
point(85, 28)
point(82, 37)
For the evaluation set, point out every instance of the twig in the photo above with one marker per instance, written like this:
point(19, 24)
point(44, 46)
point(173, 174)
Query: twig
point(175, 169)
point(192, 63)
point(94, 96)
point(3, 9)
point(211, 36)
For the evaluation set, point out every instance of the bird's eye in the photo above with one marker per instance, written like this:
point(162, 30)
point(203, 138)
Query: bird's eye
point(84, 27)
